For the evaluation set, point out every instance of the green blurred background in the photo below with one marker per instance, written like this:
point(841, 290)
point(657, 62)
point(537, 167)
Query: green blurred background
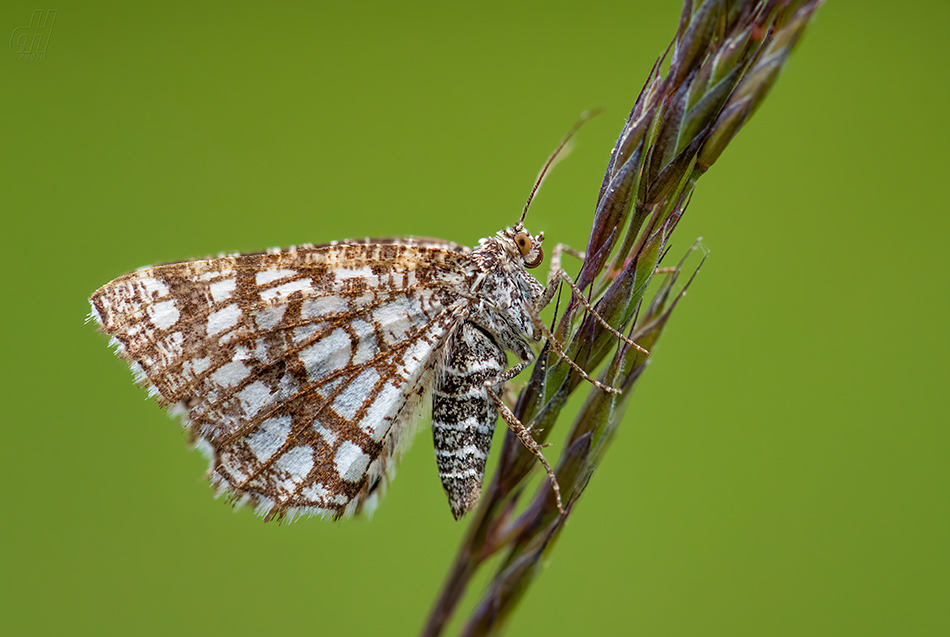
point(783, 465)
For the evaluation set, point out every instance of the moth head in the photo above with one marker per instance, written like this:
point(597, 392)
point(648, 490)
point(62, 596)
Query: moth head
point(529, 247)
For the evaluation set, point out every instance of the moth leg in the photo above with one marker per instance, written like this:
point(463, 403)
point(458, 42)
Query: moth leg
point(560, 353)
point(557, 275)
point(492, 387)
point(524, 435)
point(556, 255)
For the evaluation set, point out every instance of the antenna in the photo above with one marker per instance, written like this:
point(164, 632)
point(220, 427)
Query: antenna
point(559, 153)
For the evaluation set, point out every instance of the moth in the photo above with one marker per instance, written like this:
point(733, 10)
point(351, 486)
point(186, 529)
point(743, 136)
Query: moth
point(301, 372)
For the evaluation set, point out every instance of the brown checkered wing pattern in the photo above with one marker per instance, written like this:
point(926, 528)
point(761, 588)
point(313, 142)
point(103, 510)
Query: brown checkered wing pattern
point(298, 371)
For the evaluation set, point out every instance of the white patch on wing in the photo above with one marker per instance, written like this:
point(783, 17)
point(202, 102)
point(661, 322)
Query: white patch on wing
point(269, 276)
point(349, 401)
point(366, 299)
point(269, 437)
point(297, 462)
point(353, 273)
point(199, 365)
point(269, 317)
point(223, 319)
point(153, 287)
point(306, 332)
point(221, 290)
point(322, 306)
point(254, 397)
point(211, 275)
point(393, 320)
point(366, 346)
point(328, 389)
point(378, 417)
point(230, 374)
point(287, 385)
point(327, 355)
point(415, 354)
point(286, 289)
point(163, 314)
point(351, 461)
point(316, 492)
point(326, 434)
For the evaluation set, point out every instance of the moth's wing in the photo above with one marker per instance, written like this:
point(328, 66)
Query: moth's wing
point(298, 371)
point(424, 242)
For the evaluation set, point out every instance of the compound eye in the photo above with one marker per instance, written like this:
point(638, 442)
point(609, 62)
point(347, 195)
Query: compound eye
point(525, 243)
point(536, 262)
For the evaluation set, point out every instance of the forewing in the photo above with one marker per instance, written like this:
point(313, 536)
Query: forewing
point(425, 242)
point(297, 371)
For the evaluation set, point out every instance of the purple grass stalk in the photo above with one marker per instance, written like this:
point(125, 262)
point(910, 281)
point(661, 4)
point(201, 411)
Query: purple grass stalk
point(723, 61)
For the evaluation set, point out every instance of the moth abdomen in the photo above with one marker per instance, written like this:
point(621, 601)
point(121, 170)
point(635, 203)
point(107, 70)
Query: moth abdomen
point(463, 415)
